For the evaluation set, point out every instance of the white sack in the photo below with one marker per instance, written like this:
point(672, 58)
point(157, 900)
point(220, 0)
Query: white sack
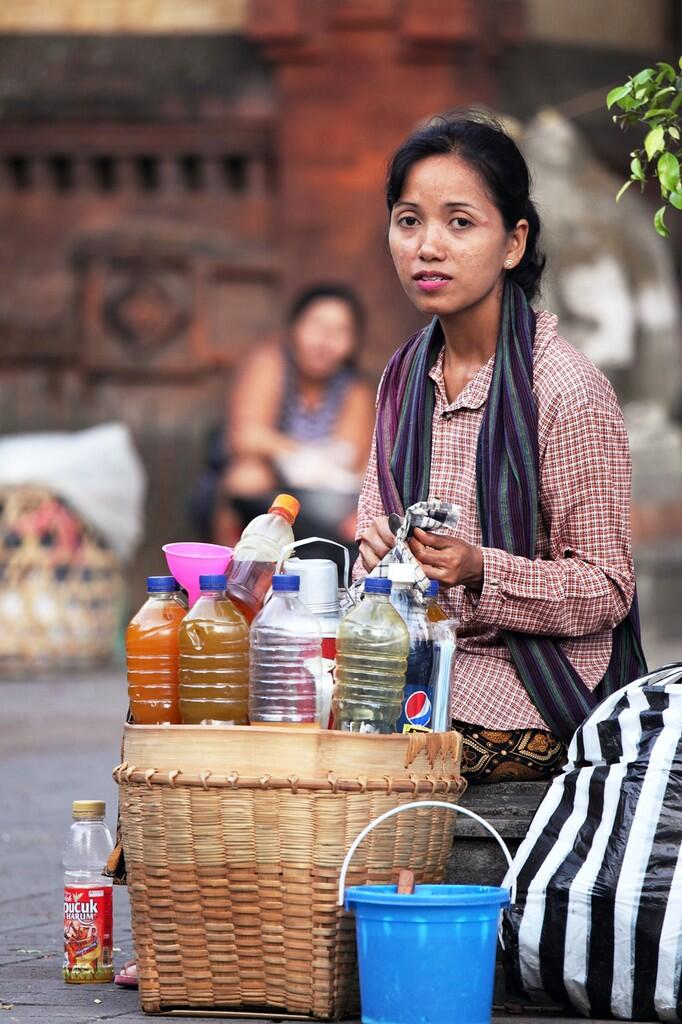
point(98, 472)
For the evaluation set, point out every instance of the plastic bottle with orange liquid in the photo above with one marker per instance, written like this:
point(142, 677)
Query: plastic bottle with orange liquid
point(152, 654)
point(434, 612)
point(249, 574)
point(214, 658)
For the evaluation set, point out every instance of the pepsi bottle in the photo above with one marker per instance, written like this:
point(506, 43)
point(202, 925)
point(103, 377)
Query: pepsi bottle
point(417, 709)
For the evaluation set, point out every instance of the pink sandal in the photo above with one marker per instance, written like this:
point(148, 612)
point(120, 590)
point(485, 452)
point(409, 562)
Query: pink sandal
point(126, 979)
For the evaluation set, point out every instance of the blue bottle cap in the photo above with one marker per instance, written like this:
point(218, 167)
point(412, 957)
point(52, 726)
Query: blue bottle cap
point(214, 582)
point(284, 581)
point(434, 588)
point(377, 585)
point(161, 584)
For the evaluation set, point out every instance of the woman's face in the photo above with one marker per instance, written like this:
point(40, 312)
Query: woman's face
point(447, 237)
point(323, 337)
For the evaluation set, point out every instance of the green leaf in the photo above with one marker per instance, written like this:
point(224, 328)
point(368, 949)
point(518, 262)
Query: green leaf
point(674, 133)
point(668, 171)
point(663, 92)
point(636, 169)
point(654, 142)
point(658, 112)
point(627, 103)
point(676, 200)
point(644, 76)
point(636, 101)
point(676, 103)
point(667, 70)
point(623, 189)
point(617, 94)
point(659, 223)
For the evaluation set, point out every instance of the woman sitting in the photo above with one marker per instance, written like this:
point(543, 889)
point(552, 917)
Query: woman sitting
point(300, 416)
point(489, 408)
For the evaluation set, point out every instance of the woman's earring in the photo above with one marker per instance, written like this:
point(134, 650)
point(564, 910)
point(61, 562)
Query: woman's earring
point(509, 264)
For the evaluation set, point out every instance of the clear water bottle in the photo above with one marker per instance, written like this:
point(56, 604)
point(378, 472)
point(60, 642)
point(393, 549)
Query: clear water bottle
point(285, 659)
point(88, 914)
point(371, 660)
point(418, 701)
point(442, 678)
point(214, 658)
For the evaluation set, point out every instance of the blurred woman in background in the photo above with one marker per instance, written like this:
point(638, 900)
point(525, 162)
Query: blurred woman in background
point(300, 416)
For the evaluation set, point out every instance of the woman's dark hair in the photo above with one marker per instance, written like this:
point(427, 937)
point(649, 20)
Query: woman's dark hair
point(483, 143)
point(320, 292)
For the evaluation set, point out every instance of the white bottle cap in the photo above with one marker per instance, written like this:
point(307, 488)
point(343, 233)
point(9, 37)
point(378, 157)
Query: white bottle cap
point(401, 572)
point(319, 582)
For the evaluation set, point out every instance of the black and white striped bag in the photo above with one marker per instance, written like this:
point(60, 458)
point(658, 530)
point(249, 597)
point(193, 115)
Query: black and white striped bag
point(598, 918)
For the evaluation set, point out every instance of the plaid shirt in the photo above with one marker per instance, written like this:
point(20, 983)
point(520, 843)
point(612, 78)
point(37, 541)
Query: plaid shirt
point(581, 582)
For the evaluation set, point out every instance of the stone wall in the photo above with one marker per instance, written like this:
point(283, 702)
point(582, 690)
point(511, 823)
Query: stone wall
point(122, 15)
point(137, 253)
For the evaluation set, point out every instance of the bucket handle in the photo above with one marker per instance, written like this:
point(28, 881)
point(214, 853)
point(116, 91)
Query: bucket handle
point(426, 803)
point(290, 548)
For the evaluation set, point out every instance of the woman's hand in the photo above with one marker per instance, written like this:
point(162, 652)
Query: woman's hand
point(448, 560)
point(375, 542)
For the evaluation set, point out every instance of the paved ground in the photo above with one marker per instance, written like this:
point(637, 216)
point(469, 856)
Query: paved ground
point(58, 742)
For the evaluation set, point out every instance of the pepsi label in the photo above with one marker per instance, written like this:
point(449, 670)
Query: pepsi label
point(417, 709)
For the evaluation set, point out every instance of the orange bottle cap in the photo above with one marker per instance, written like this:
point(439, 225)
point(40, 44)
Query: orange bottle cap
point(288, 504)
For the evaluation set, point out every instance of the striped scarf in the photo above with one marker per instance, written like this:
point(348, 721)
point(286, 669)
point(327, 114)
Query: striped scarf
point(507, 478)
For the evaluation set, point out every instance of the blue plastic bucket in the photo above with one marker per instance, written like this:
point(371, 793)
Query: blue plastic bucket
point(427, 957)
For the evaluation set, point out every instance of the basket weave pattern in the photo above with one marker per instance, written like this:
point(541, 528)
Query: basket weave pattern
point(62, 586)
point(233, 879)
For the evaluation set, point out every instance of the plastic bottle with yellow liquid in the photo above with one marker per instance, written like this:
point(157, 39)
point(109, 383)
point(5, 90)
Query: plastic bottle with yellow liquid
point(371, 661)
point(214, 658)
point(434, 612)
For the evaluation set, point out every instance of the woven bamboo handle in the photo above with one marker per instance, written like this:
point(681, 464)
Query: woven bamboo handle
point(426, 803)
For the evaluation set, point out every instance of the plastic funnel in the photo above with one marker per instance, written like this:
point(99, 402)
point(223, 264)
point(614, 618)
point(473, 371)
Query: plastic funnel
point(188, 560)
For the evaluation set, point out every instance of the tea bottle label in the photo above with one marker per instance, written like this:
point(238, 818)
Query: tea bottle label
point(87, 933)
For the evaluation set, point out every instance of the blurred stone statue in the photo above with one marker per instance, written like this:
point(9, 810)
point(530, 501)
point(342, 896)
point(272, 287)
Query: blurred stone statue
point(611, 281)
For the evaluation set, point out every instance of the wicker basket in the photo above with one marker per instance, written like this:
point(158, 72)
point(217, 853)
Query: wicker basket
point(61, 598)
point(234, 839)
